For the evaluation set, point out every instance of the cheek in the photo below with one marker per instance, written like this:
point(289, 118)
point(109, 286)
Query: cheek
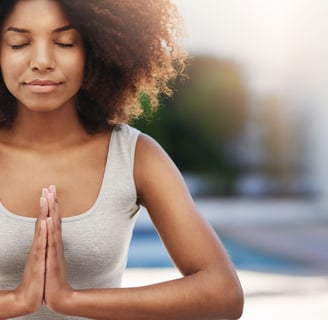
point(8, 70)
point(10, 66)
point(11, 81)
point(74, 67)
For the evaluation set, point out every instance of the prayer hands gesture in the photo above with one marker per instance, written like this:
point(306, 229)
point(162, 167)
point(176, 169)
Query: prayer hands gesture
point(56, 288)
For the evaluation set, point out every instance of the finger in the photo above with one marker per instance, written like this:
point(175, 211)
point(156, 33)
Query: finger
point(51, 204)
point(44, 209)
point(38, 249)
point(42, 240)
point(38, 226)
point(52, 189)
point(44, 192)
point(52, 244)
point(43, 230)
point(51, 230)
point(53, 207)
point(50, 235)
point(51, 197)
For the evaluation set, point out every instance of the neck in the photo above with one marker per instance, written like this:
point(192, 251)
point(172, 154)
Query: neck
point(59, 127)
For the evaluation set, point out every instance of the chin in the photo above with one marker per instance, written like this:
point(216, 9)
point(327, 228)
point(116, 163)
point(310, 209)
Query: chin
point(40, 108)
point(44, 106)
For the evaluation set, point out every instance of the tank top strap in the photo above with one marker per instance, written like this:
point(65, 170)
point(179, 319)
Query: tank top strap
point(120, 158)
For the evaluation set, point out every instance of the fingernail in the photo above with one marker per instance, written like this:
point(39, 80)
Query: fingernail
point(52, 188)
point(44, 192)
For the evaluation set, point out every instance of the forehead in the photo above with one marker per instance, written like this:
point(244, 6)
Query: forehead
point(36, 15)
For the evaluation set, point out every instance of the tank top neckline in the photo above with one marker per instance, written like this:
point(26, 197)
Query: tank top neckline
point(8, 213)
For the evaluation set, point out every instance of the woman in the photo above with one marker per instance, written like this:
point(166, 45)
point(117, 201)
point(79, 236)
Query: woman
point(71, 76)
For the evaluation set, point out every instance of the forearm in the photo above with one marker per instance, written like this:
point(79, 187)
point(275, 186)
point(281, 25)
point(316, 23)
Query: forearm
point(188, 298)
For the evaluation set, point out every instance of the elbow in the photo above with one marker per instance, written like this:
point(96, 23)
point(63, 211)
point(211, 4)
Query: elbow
point(229, 301)
point(236, 303)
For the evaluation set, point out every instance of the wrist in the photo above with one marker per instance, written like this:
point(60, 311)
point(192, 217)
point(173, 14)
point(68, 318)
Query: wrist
point(21, 304)
point(63, 304)
point(77, 303)
point(68, 306)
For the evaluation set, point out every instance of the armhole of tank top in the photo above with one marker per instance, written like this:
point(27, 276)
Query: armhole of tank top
point(135, 134)
point(133, 145)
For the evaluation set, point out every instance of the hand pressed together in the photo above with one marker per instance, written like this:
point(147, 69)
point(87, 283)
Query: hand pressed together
point(57, 288)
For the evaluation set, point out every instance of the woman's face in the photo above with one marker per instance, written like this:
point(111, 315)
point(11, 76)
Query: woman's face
point(41, 56)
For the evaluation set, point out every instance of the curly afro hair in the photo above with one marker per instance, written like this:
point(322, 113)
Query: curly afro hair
point(132, 49)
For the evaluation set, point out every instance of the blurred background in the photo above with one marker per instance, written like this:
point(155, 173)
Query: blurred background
point(251, 118)
point(249, 130)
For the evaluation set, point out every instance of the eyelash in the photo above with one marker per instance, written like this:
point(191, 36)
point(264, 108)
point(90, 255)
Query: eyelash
point(23, 45)
point(64, 45)
point(19, 46)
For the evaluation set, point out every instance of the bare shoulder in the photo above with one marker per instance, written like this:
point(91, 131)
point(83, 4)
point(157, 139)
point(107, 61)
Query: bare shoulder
point(160, 184)
point(151, 151)
point(154, 168)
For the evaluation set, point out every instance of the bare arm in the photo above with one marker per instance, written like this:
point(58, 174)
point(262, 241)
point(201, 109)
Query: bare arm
point(209, 288)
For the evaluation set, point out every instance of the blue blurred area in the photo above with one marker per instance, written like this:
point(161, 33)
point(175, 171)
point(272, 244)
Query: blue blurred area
point(270, 235)
point(147, 251)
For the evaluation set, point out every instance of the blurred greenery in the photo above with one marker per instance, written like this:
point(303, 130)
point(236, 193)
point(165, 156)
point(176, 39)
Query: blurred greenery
point(198, 125)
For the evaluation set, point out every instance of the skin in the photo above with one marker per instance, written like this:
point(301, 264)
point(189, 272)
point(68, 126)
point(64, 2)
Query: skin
point(48, 138)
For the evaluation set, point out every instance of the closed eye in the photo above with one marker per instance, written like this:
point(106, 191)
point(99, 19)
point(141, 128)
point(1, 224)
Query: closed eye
point(64, 45)
point(19, 46)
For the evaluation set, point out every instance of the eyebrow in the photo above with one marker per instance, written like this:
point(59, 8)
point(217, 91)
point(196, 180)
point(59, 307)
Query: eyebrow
point(58, 30)
point(64, 28)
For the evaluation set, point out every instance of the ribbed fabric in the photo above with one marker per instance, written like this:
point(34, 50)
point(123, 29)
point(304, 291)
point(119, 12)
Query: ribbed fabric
point(96, 242)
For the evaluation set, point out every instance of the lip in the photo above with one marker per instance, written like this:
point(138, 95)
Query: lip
point(42, 86)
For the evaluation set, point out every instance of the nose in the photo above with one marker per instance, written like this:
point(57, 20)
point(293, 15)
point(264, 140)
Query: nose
point(42, 58)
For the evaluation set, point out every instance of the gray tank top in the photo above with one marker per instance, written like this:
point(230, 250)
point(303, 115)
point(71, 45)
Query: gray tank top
point(96, 242)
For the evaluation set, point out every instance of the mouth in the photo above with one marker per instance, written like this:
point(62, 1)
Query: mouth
point(42, 86)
